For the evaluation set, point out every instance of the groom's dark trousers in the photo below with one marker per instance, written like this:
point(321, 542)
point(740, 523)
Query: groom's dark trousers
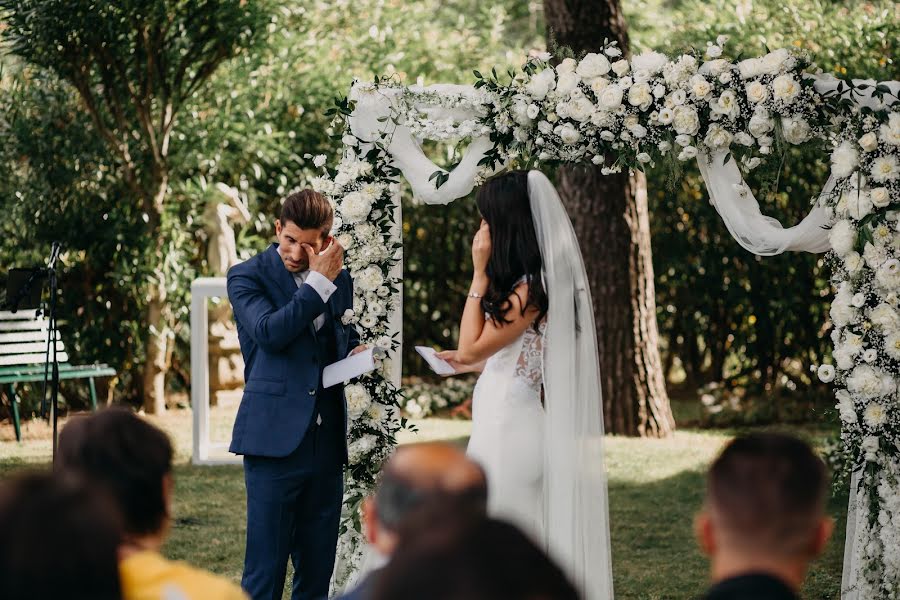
point(291, 431)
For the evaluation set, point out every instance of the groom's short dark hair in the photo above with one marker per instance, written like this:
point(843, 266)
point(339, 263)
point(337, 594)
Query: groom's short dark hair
point(308, 209)
point(766, 492)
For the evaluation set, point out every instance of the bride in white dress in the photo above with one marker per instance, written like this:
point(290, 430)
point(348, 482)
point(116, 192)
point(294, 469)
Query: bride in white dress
point(537, 427)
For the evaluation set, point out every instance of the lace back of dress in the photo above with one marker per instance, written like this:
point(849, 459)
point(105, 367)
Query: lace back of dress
point(530, 364)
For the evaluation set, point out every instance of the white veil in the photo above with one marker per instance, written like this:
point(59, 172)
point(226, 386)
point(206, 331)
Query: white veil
point(575, 498)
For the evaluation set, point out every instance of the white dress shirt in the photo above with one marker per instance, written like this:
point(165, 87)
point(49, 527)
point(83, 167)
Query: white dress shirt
point(321, 284)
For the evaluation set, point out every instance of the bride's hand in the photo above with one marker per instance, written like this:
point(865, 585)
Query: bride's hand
point(481, 248)
point(450, 357)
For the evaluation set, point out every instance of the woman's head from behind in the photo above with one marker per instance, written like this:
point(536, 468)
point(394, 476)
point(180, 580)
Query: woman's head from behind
point(515, 253)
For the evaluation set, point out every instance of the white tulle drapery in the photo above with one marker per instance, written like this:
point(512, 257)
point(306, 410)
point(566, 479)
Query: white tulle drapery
point(375, 114)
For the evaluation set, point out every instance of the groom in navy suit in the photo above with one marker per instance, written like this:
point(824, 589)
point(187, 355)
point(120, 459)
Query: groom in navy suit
point(288, 302)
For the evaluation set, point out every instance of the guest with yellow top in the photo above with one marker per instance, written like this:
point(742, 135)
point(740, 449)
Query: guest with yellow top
point(131, 460)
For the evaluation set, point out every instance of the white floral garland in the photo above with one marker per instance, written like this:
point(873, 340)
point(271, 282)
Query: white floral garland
point(627, 115)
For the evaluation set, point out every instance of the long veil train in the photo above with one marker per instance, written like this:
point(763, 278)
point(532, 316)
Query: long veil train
point(575, 496)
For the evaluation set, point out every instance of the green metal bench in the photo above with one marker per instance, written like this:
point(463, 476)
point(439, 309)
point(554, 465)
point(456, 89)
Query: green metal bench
point(23, 358)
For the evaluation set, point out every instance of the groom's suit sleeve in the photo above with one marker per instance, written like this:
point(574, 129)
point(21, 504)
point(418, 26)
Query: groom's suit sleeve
point(272, 328)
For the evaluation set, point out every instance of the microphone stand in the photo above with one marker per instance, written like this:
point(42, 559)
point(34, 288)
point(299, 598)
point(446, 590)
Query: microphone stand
point(53, 365)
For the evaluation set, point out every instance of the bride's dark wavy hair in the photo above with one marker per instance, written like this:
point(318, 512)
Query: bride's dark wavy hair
point(515, 253)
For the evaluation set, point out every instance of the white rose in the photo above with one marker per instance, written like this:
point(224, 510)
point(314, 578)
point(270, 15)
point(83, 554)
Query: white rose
point(687, 153)
point(714, 67)
point(649, 63)
point(842, 312)
point(620, 67)
point(772, 62)
point(858, 300)
point(659, 90)
point(593, 65)
point(892, 345)
point(844, 159)
point(717, 137)
point(677, 98)
point(640, 95)
point(686, 120)
point(358, 400)
point(567, 65)
point(610, 98)
point(785, 89)
point(638, 131)
point(612, 51)
point(853, 262)
point(888, 274)
point(743, 138)
point(665, 116)
point(880, 197)
point(664, 147)
point(713, 51)
point(683, 140)
point(796, 130)
point(532, 111)
point(643, 158)
point(890, 131)
point(607, 136)
point(868, 382)
point(568, 134)
point(320, 160)
point(859, 205)
point(843, 359)
point(726, 104)
point(825, 373)
point(870, 355)
point(598, 85)
point(750, 68)
point(545, 127)
point(842, 237)
point(700, 87)
point(845, 407)
point(580, 109)
point(725, 77)
point(345, 240)
point(875, 255)
point(369, 279)
point(885, 168)
point(541, 84)
point(875, 415)
point(567, 83)
point(355, 207)
point(871, 447)
point(868, 142)
point(761, 124)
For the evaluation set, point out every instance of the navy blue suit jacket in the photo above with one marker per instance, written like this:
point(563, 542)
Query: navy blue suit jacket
point(282, 371)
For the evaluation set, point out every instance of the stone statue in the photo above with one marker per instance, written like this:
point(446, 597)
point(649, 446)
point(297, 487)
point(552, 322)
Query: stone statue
point(226, 366)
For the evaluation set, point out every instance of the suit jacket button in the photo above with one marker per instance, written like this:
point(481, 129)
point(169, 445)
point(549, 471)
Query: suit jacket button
point(312, 392)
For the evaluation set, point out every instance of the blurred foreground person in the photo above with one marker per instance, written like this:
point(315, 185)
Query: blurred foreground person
point(416, 476)
point(764, 519)
point(469, 557)
point(58, 540)
point(132, 461)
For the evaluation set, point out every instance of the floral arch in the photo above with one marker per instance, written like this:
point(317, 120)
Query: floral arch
point(650, 111)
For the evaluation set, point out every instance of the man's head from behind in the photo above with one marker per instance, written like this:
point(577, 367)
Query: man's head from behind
point(306, 220)
point(414, 476)
point(765, 504)
point(129, 458)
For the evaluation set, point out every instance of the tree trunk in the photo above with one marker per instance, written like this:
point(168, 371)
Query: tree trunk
point(610, 216)
point(159, 338)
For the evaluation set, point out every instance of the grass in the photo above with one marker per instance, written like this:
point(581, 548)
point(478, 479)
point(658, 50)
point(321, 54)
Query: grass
point(655, 488)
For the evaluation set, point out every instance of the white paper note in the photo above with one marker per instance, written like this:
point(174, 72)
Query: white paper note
point(438, 365)
point(350, 367)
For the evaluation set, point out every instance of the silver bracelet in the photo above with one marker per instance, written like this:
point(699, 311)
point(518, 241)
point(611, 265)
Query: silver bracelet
point(475, 295)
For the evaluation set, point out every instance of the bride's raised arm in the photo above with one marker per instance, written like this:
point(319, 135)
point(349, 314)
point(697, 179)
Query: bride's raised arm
point(480, 338)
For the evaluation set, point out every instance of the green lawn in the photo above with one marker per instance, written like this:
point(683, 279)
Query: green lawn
point(655, 487)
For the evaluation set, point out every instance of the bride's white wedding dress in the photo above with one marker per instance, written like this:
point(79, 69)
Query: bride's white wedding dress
point(508, 431)
point(537, 426)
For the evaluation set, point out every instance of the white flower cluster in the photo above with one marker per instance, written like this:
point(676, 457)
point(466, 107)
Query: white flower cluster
point(424, 399)
point(654, 106)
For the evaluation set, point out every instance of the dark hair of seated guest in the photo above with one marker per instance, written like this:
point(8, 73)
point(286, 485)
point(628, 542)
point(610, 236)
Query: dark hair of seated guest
point(58, 540)
point(450, 552)
point(128, 457)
